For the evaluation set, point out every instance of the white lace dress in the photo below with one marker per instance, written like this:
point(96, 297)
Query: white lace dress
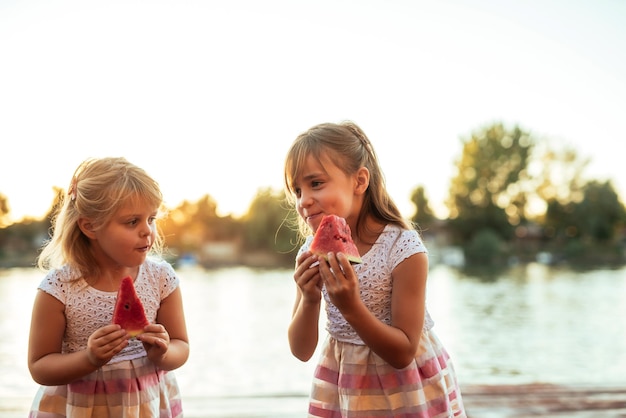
point(352, 381)
point(129, 385)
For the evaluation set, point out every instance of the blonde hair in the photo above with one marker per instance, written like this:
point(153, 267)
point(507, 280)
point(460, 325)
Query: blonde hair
point(346, 146)
point(99, 188)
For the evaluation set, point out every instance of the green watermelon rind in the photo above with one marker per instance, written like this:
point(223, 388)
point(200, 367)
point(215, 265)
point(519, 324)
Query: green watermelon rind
point(338, 239)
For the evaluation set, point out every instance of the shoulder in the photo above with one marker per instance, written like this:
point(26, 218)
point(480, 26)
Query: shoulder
point(412, 238)
point(59, 282)
point(158, 266)
point(399, 236)
point(161, 273)
point(403, 243)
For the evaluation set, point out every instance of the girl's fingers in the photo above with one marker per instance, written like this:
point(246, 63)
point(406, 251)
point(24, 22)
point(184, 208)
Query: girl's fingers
point(324, 268)
point(334, 267)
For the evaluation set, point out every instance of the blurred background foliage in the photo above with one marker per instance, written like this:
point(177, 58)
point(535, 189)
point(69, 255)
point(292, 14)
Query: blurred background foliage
point(512, 199)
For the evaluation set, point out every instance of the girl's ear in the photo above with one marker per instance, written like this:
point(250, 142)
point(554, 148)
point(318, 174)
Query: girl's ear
point(362, 180)
point(86, 227)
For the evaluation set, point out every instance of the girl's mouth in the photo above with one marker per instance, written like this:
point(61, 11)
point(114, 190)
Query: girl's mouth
point(313, 220)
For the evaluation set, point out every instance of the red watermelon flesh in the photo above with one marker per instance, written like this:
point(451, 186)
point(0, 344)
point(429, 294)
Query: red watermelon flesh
point(129, 312)
point(333, 236)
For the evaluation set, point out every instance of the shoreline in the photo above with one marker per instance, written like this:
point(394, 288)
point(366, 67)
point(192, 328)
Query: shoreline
point(481, 401)
point(544, 400)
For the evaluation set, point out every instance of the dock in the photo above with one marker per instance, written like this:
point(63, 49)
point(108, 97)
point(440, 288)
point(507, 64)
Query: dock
point(544, 400)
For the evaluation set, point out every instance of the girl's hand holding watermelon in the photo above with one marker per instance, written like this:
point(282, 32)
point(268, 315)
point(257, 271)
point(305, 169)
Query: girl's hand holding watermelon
point(308, 278)
point(106, 342)
point(155, 341)
point(340, 280)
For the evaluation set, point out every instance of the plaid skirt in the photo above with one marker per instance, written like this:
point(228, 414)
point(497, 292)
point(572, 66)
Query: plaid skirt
point(352, 381)
point(132, 388)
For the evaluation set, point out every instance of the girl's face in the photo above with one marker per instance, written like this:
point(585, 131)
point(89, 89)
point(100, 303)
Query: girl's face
point(321, 188)
point(127, 238)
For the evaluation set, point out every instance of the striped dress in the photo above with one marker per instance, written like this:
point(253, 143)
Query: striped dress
point(129, 385)
point(350, 380)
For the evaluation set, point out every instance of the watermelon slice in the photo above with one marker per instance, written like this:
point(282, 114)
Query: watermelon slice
point(333, 235)
point(129, 312)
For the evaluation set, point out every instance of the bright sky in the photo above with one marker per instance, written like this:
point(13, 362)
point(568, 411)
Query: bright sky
point(208, 95)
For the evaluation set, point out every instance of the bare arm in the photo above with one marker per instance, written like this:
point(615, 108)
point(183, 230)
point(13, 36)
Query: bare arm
point(166, 342)
point(395, 343)
point(46, 363)
point(304, 327)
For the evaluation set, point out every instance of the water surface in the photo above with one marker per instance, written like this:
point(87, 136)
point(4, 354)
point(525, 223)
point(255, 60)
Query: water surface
point(534, 324)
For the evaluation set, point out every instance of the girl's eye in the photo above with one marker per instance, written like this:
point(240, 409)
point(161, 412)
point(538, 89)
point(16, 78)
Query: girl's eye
point(297, 192)
point(152, 220)
point(316, 183)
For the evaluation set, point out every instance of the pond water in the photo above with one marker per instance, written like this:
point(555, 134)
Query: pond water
point(533, 324)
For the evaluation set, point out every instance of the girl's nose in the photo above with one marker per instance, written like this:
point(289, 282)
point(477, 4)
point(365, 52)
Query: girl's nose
point(304, 200)
point(146, 230)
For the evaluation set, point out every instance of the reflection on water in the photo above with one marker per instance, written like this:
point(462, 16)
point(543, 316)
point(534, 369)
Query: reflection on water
point(537, 324)
point(237, 320)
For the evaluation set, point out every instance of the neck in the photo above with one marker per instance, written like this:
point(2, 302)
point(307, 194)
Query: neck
point(109, 280)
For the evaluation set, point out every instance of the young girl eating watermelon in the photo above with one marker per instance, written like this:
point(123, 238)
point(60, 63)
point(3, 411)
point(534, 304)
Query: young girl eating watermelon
point(381, 357)
point(88, 366)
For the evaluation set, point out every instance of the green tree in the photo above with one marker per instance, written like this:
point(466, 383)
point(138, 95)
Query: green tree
point(485, 249)
point(268, 224)
point(192, 224)
point(561, 185)
point(601, 211)
point(598, 215)
point(560, 177)
point(424, 215)
point(487, 191)
point(4, 210)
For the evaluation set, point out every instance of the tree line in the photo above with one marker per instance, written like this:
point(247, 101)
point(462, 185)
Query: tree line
point(511, 199)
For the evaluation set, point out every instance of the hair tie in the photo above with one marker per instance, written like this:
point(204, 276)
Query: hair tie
point(72, 191)
point(360, 135)
point(363, 139)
